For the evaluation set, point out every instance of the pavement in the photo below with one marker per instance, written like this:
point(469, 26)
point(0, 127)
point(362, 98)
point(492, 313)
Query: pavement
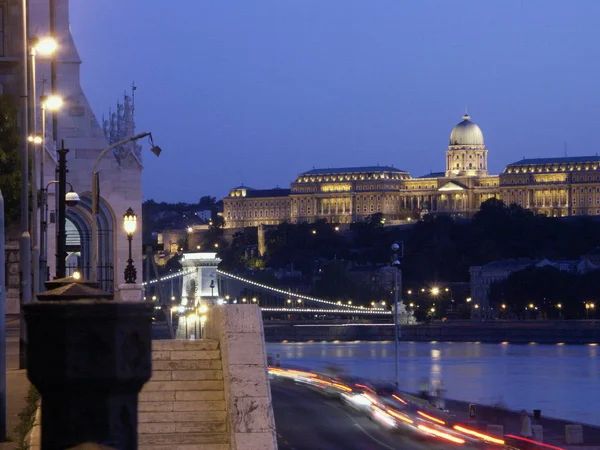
point(307, 421)
point(17, 384)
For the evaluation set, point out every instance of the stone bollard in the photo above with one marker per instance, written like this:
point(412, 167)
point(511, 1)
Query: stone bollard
point(89, 357)
point(574, 433)
point(472, 413)
point(538, 432)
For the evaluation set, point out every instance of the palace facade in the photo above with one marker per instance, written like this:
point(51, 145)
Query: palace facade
point(551, 186)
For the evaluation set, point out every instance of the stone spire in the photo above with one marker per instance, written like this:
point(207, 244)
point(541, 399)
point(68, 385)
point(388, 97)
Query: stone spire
point(121, 125)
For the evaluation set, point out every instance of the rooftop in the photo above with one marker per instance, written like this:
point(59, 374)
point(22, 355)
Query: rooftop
point(560, 160)
point(376, 169)
point(433, 175)
point(275, 192)
point(515, 264)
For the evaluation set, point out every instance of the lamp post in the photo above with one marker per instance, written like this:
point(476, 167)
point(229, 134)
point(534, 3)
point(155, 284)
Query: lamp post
point(130, 224)
point(435, 291)
point(212, 289)
point(396, 264)
point(61, 235)
point(52, 103)
point(43, 47)
point(96, 193)
point(25, 237)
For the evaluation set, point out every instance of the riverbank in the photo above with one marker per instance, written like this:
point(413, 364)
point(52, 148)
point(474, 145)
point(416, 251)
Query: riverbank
point(515, 332)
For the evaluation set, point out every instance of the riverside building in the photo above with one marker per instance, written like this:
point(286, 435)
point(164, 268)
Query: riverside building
point(557, 187)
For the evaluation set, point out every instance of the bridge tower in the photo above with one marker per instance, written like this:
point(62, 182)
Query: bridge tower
point(199, 282)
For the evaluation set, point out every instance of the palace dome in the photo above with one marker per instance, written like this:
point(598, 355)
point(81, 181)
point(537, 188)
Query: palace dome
point(466, 133)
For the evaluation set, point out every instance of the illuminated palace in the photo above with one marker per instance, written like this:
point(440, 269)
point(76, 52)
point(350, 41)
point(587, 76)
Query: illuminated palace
point(567, 186)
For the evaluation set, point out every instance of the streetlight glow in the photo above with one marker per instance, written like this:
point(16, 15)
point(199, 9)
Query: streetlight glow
point(435, 290)
point(53, 102)
point(129, 222)
point(46, 46)
point(37, 140)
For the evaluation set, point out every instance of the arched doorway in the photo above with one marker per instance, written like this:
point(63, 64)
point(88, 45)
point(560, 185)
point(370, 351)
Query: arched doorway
point(79, 241)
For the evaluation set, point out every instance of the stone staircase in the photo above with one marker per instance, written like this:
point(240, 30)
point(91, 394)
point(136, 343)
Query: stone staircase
point(183, 405)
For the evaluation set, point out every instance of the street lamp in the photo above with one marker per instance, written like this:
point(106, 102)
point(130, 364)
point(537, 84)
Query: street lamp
point(43, 47)
point(70, 199)
point(212, 288)
point(396, 266)
point(130, 224)
point(96, 193)
point(588, 306)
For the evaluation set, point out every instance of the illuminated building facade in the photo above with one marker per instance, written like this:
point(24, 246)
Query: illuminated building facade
point(550, 186)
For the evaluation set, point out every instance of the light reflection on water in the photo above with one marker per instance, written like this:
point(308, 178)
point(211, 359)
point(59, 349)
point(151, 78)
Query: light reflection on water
point(561, 380)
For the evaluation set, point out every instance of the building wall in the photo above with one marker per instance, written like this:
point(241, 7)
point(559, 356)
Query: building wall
point(349, 198)
point(554, 189)
point(78, 127)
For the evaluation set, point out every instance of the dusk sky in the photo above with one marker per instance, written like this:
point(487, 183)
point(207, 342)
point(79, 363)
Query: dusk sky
point(260, 91)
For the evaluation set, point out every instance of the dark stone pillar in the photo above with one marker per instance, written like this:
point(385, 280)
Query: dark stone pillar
point(89, 358)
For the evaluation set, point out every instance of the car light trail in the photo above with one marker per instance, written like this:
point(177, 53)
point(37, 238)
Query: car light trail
point(427, 416)
point(441, 434)
point(479, 435)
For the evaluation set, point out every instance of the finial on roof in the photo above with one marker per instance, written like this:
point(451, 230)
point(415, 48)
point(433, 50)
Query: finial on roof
point(466, 115)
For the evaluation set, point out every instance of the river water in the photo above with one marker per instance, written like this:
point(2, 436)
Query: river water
point(561, 380)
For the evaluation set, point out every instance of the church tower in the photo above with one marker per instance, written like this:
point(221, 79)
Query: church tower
point(466, 155)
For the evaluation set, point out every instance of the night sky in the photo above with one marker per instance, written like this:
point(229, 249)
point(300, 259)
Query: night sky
point(258, 91)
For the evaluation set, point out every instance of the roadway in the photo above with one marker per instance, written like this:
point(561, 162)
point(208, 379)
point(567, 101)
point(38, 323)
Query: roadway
point(307, 421)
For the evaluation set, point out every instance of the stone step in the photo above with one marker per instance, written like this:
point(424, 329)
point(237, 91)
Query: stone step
point(181, 427)
point(185, 447)
point(181, 344)
point(186, 375)
point(185, 355)
point(182, 416)
point(183, 438)
point(201, 364)
point(209, 405)
point(201, 385)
